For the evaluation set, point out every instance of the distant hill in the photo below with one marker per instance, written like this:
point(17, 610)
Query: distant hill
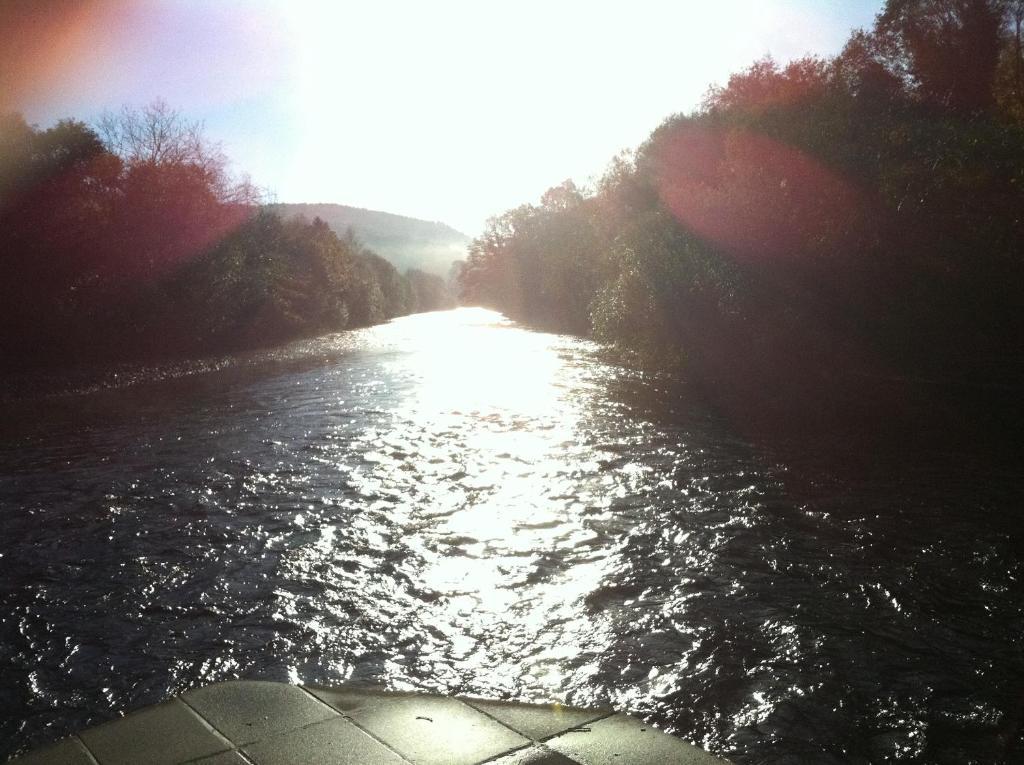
point(406, 242)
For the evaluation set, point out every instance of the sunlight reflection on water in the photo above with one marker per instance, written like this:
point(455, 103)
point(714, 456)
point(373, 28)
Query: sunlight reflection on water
point(453, 502)
point(491, 443)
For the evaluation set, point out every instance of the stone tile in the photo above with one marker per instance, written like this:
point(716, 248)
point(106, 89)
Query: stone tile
point(224, 758)
point(68, 751)
point(165, 734)
point(334, 742)
point(426, 729)
point(536, 721)
point(534, 755)
point(622, 740)
point(350, 699)
point(250, 710)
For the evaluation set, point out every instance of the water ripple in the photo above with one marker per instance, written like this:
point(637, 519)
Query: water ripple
point(452, 502)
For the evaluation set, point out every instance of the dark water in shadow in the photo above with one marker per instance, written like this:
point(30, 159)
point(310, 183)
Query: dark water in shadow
point(453, 503)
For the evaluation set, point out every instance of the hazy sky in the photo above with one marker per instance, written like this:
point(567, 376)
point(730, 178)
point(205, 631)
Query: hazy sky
point(443, 110)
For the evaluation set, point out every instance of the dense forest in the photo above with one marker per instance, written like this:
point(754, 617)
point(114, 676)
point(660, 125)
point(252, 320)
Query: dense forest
point(133, 240)
point(819, 238)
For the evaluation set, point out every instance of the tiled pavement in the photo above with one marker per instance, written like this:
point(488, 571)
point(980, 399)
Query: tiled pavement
point(243, 722)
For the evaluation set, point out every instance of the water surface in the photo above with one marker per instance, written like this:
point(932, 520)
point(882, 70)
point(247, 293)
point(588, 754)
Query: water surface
point(454, 503)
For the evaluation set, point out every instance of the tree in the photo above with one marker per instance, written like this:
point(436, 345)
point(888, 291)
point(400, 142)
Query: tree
point(764, 85)
point(159, 136)
point(860, 71)
point(16, 142)
point(1010, 77)
point(948, 49)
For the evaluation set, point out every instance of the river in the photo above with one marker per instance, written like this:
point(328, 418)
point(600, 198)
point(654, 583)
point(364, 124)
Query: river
point(455, 503)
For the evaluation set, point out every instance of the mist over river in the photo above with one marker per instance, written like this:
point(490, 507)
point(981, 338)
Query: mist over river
point(451, 502)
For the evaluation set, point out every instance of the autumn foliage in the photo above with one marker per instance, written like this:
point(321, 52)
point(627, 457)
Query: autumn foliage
point(135, 240)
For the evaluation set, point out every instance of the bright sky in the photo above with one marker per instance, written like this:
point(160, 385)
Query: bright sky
point(444, 110)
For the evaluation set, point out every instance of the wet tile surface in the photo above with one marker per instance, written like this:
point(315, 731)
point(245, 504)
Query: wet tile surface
point(621, 740)
point(537, 721)
point(429, 729)
point(69, 751)
point(534, 755)
point(166, 734)
point(350, 699)
point(224, 758)
point(253, 710)
point(336, 741)
point(280, 724)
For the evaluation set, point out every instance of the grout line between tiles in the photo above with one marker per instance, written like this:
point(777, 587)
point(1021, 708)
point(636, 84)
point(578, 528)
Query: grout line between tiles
point(341, 714)
point(214, 728)
point(88, 751)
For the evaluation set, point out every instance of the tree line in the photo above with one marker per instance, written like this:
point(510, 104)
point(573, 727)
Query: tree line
point(812, 233)
point(132, 239)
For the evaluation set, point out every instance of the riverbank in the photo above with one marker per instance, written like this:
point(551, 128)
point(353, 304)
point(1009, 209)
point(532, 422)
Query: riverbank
point(858, 408)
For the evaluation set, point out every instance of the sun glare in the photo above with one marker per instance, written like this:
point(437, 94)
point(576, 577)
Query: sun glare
point(502, 126)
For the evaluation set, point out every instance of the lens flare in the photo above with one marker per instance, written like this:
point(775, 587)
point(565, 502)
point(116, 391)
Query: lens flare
point(751, 195)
